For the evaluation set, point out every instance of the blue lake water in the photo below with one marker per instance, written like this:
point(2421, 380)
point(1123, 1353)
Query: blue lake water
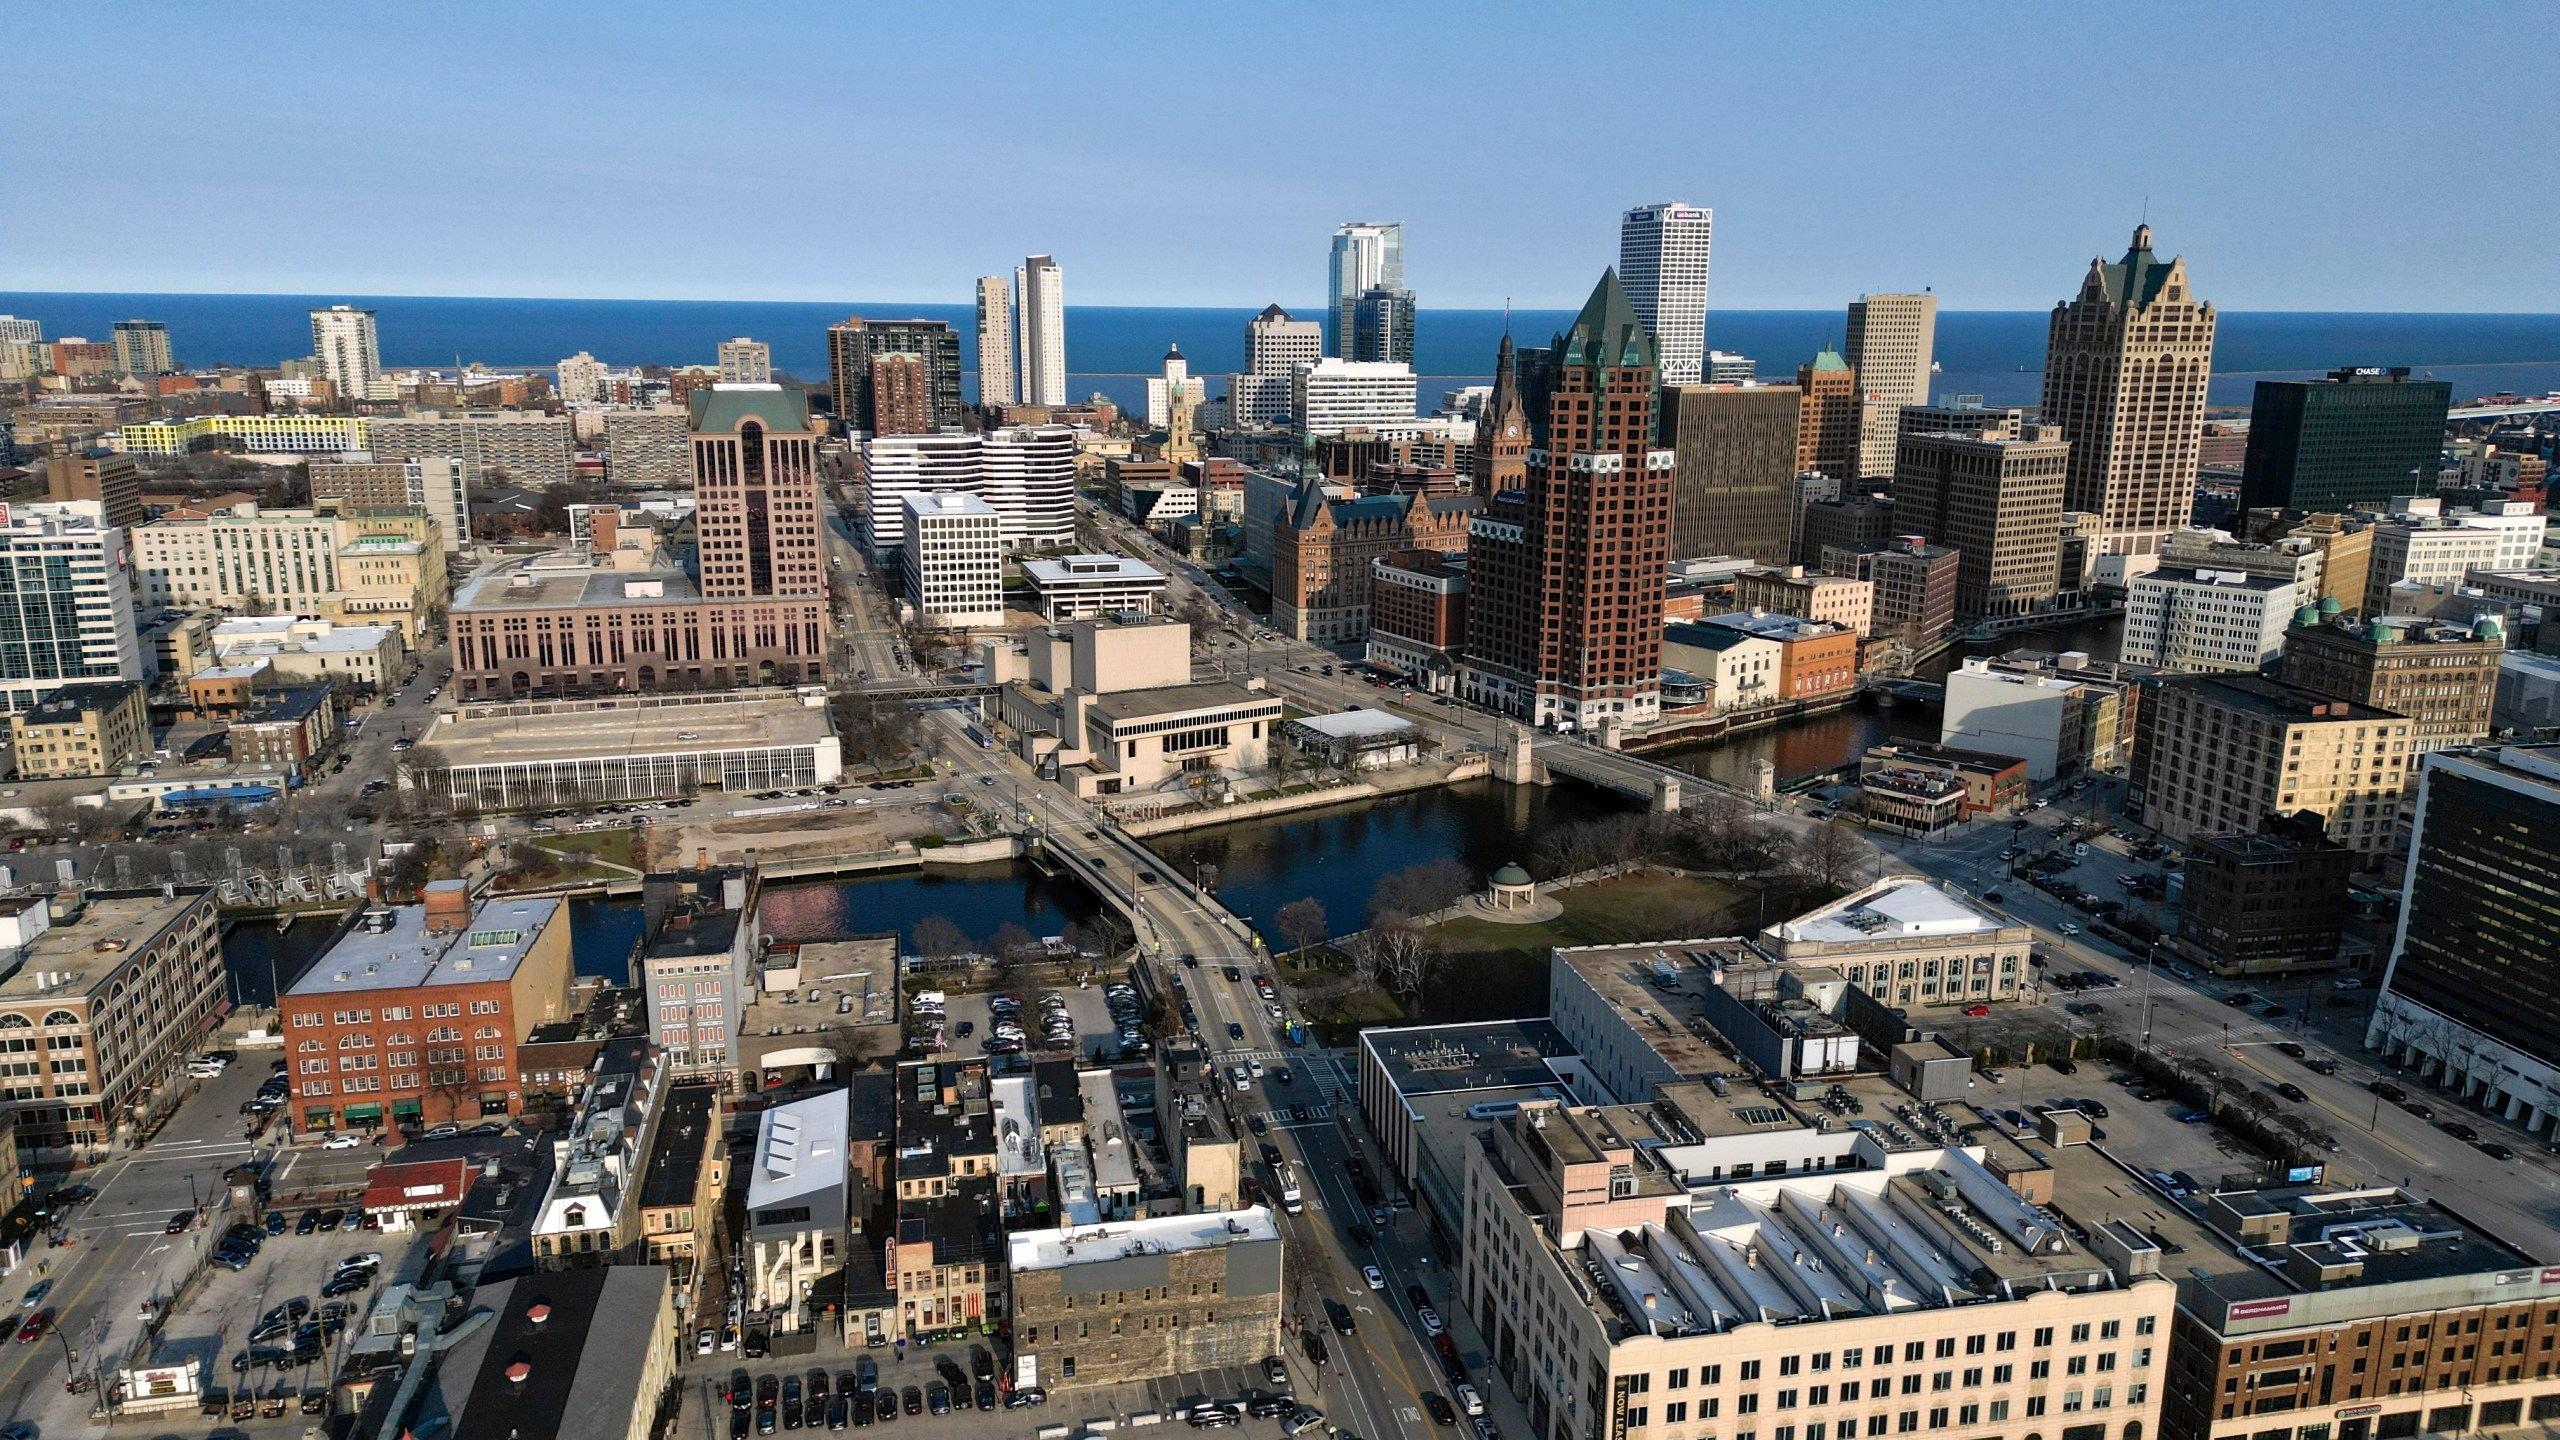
point(1111, 348)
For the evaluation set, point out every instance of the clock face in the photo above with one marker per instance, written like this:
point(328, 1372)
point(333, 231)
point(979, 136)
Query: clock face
point(1510, 432)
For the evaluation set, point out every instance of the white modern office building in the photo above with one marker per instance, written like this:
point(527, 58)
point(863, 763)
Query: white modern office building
point(1275, 345)
point(1031, 480)
point(344, 345)
point(1367, 255)
point(1078, 587)
point(2185, 620)
point(1040, 332)
point(954, 559)
point(895, 467)
point(66, 612)
point(1662, 261)
point(1333, 395)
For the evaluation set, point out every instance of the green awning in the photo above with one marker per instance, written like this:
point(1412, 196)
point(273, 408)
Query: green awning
point(407, 1109)
point(363, 1112)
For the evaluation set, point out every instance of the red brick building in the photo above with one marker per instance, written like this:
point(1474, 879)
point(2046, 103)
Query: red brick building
point(1322, 550)
point(1418, 616)
point(414, 1017)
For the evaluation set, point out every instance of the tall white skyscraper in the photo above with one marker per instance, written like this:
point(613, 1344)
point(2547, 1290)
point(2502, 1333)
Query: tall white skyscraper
point(1040, 332)
point(1662, 262)
point(1275, 345)
point(995, 343)
point(343, 342)
point(1367, 255)
point(1889, 343)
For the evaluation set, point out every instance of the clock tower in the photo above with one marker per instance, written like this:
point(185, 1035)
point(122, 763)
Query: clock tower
point(1502, 431)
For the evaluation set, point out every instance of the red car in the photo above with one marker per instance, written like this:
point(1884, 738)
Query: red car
point(1977, 1011)
point(34, 1329)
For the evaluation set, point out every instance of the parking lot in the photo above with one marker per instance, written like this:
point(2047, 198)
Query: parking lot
point(214, 1326)
point(968, 1023)
point(711, 1416)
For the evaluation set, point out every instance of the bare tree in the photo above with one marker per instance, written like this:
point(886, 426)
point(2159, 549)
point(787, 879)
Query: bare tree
point(1401, 954)
point(1435, 884)
point(937, 937)
point(1830, 856)
point(1301, 922)
point(1010, 942)
point(1102, 933)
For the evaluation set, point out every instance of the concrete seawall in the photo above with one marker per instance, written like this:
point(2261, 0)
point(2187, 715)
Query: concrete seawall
point(1470, 767)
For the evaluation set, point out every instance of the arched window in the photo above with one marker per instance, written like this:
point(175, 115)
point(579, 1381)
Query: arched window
point(61, 1017)
point(576, 1216)
point(2133, 1430)
point(15, 1021)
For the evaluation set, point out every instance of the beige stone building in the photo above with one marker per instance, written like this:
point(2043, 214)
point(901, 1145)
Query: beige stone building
point(2443, 677)
point(81, 730)
point(111, 992)
point(1909, 942)
point(1134, 1300)
point(1809, 595)
point(1996, 499)
point(1906, 1291)
point(2126, 361)
point(2219, 754)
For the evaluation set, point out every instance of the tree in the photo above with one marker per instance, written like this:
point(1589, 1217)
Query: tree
point(1401, 954)
point(1830, 856)
point(1433, 885)
point(1010, 941)
point(1104, 933)
point(937, 938)
point(1301, 922)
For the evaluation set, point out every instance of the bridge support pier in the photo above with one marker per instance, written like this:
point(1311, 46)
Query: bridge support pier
point(1515, 758)
point(1666, 794)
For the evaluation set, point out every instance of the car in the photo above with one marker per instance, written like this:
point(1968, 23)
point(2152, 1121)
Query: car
point(35, 1327)
point(309, 1222)
point(2494, 1150)
point(2384, 1089)
point(1027, 1395)
point(1430, 1319)
point(913, 1395)
point(1371, 1273)
point(1995, 897)
point(1360, 1236)
point(440, 1132)
point(355, 1219)
point(276, 1222)
point(2292, 1092)
point(342, 1141)
point(1977, 1011)
point(2067, 928)
point(1271, 1154)
point(1234, 1031)
point(1264, 1405)
point(2191, 1116)
point(2321, 1065)
point(1298, 1113)
point(1257, 1125)
point(180, 1223)
point(2288, 1047)
point(343, 1285)
point(2084, 1007)
point(2239, 999)
point(963, 1029)
point(2063, 1065)
point(1339, 1315)
point(884, 1403)
point(362, 1259)
point(984, 1393)
point(1469, 1400)
point(487, 1127)
point(36, 1293)
point(1285, 1075)
point(2459, 1131)
point(1276, 1372)
point(1211, 1416)
point(2348, 983)
point(2275, 1012)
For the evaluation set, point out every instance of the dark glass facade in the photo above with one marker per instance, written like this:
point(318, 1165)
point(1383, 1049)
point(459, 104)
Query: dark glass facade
point(853, 344)
point(1734, 469)
point(2482, 938)
point(2360, 436)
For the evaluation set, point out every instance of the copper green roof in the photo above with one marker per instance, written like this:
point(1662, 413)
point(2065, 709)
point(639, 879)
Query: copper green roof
point(1511, 875)
point(1607, 331)
point(1829, 359)
point(724, 408)
point(2136, 279)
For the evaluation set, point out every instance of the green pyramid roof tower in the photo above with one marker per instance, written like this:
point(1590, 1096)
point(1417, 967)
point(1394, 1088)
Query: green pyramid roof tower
point(1607, 331)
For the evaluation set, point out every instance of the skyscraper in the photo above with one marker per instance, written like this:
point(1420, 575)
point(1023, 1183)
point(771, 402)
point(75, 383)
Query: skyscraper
point(1382, 326)
point(579, 378)
point(1995, 498)
point(1733, 469)
point(142, 348)
point(1275, 345)
point(856, 344)
point(1827, 416)
point(1040, 332)
point(344, 347)
point(745, 362)
point(2472, 996)
point(1566, 576)
point(2125, 366)
point(1662, 259)
point(1889, 343)
point(66, 607)
point(1367, 255)
point(2360, 437)
point(755, 483)
point(995, 342)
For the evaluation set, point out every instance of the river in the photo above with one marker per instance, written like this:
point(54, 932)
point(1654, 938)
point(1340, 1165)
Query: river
point(1335, 855)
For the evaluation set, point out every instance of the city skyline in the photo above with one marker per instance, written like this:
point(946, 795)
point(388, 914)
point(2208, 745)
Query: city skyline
point(2291, 227)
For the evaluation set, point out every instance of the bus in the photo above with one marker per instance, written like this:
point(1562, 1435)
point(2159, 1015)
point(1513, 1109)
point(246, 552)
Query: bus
point(1287, 1178)
point(978, 735)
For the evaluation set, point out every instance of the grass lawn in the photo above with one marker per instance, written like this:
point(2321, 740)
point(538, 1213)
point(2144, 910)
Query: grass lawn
point(1498, 970)
point(612, 846)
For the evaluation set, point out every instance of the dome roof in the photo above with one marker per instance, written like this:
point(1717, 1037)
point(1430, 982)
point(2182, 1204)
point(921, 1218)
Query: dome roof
point(1512, 875)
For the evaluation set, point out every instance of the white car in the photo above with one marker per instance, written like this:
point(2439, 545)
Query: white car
point(1371, 1274)
point(1469, 1400)
point(342, 1142)
point(704, 1342)
point(2067, 928)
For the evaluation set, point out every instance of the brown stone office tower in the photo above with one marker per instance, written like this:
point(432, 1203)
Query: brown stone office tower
point(1567, 574)
point(1827, 416)
point(755, 483)
point(2125, 366)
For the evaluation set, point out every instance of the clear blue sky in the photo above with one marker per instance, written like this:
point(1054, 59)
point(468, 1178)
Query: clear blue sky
point(2303, 157)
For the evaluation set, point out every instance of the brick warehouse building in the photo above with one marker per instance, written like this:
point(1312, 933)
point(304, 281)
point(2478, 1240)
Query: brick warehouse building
point(1169, 1295)
point(752, 612)
point(415, 1015)
point(1323, 551)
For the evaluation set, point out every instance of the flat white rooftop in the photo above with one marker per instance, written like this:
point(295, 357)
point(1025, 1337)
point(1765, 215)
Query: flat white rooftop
point(1089, 570)
point(1084, 1244)
point(1896, 909)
